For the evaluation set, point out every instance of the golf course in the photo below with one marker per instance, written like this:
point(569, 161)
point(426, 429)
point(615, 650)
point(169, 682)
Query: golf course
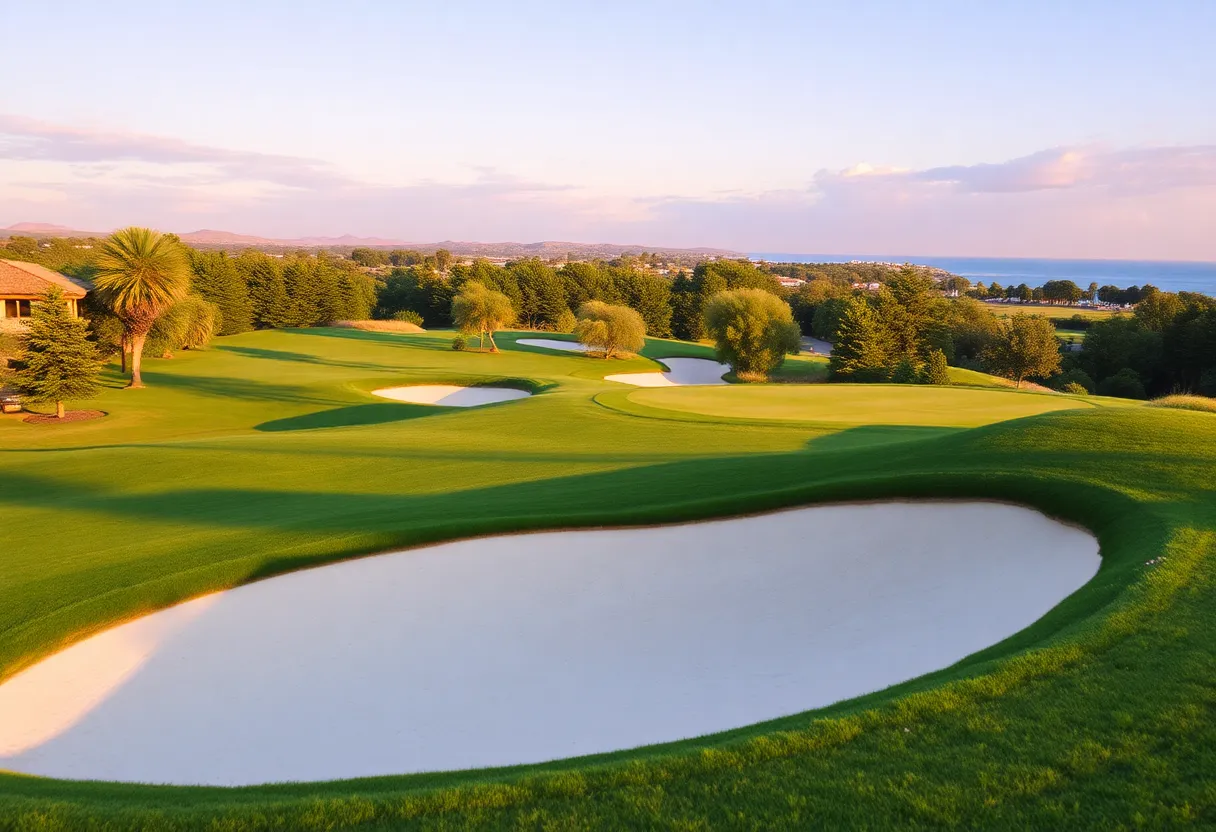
point(599, 602)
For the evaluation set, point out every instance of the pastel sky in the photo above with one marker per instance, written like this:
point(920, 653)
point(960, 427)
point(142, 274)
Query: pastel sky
point(1075, 129)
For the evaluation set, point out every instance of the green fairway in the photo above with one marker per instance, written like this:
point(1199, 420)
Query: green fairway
point(267, 453)
point(1004, 310)
point(858, 404)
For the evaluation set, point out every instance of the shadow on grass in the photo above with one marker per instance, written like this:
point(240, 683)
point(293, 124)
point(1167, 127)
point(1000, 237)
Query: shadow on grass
point(870, 435)
point(303, 358)
point(413, 340)
point(235, 388)
point(345, 417)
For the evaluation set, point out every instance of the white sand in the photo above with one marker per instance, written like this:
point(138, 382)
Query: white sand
point(551, 344)
point(532, 647)
point(680, 372)
point(450, 395)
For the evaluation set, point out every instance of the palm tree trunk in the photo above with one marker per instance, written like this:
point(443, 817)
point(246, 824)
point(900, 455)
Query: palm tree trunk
point(137, 354)
point(58, 410)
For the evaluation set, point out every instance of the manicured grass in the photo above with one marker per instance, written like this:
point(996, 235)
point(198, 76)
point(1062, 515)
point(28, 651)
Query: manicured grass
point(1049, 311)
point(974, 378)
point(258, 456)
point(858, 404)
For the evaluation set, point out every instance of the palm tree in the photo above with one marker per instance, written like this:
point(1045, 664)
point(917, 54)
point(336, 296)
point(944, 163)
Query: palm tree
point(140, 273)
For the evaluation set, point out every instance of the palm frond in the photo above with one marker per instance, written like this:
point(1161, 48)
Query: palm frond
point(139, 268)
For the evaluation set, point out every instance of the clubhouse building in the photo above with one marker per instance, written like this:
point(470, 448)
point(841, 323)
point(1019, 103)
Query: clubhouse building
point(23, 283)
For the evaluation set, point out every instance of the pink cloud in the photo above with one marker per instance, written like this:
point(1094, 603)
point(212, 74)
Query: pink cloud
point(1085, 201)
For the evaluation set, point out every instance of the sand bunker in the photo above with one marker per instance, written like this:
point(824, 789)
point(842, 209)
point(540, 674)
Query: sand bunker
point(551, 344)
point(450, 395)
point(681, 372)
point(526, 648)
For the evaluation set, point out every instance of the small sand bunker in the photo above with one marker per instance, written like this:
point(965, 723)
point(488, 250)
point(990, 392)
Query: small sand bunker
point(525, 648)
point(551, 344)
point(681, 372)
point(450, 395)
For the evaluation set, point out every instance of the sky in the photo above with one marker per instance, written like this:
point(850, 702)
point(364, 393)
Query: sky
point(1039, 129)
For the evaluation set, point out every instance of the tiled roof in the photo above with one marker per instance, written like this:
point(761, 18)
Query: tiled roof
point(18, 278)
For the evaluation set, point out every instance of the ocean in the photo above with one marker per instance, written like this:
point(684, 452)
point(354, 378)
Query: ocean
point(1169, 276)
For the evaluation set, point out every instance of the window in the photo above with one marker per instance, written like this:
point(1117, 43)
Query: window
point(23, 307)
point(10, 309)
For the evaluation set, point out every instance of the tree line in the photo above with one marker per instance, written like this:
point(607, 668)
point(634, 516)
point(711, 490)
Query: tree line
point(909, 330)
point(544, 297)
point(1060, 291)
point(1167, 345)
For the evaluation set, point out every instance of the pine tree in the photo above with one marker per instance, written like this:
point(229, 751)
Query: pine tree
point(862, 351)
point(300, 286)
point(216, 278)
point(267, 293)
point(59, 361)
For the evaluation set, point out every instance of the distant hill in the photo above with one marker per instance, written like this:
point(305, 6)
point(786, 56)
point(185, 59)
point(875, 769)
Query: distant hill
point(211, 237)
point(47, 229)
point(548, 249)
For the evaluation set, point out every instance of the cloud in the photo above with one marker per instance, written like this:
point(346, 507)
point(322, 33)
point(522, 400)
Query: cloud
point(24, 139)
point(1142, 171)
point(1080, 201)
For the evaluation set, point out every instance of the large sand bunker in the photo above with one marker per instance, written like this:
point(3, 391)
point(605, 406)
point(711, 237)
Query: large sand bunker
point(681, 372)
point(526, 648)
point(450, 395)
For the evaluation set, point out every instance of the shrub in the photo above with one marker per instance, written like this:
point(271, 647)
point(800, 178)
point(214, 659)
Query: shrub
point(408, 316)
point(1075, 389)
point(188, 324)
point(566, 322)
point(752, 330)
point(610, 329)
point(1184, 402)
point(905, 372)
point(459, 343)
point(1074, 377)
point(1125, 384)
point(936, 370)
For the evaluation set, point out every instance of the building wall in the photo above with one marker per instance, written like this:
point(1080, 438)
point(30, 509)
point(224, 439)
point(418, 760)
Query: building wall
point(13, 307)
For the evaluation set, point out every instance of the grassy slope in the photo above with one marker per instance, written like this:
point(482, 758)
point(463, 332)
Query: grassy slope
point(240, 466)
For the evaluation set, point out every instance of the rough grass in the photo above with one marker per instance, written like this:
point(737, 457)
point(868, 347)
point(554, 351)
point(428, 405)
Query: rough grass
point(1101, 715)
point(1204, 404)
point(379, 326)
